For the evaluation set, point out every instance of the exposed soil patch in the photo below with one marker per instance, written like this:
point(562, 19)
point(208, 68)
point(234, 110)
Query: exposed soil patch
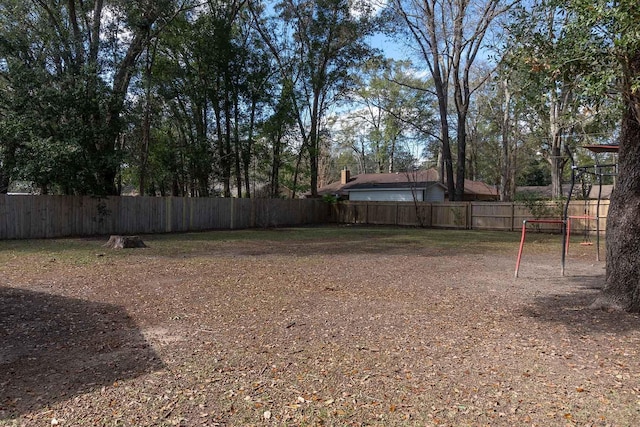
point(314, 331)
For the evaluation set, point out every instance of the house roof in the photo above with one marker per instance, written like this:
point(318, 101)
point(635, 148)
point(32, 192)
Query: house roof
point(421, 178)
point(479, 188)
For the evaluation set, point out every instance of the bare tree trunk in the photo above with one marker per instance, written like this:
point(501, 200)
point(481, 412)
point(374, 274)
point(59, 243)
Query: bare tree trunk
point(5, 168)
point(236, 141)
point(557, 166)
point(275, 172)
point(440, 163)
point(296, 173)
point(558, 108)
point(363, 157)
point(449, 35)
point(462, 156)
point(146, 124)
point(314, 144)
point(4, 181)
point(506, 173)
point(248, 149)
point(472, 158)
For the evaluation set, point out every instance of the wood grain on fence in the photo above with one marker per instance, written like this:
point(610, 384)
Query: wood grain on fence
point(30, 217)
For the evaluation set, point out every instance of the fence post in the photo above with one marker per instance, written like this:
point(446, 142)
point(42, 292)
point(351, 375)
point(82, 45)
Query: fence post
point(366, 213)
point(513, 215)
point(232, 217)
point(254, 216)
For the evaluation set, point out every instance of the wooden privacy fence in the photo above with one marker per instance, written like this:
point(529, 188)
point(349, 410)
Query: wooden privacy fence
point(470, 215)
point(30, 217)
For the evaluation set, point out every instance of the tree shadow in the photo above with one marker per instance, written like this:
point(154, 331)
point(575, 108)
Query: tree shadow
point(53, 348)
point(573, 310)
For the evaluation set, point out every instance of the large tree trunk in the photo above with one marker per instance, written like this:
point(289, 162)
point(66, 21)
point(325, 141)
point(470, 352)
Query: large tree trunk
point(275, 167)
point(314, 143)
point(506, 183)
point(109, 166)
point(462, 156)
point(557, 166)
point(622, 288)
point(447, 161)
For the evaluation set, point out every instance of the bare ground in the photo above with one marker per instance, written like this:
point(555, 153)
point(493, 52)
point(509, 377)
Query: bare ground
point(312, 332)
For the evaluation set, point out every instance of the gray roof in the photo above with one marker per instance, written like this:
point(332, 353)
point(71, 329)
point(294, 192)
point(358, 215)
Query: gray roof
point(415, 179)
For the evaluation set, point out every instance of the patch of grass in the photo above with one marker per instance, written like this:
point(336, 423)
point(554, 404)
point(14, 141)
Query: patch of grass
point(87, 251)
point(72, 251)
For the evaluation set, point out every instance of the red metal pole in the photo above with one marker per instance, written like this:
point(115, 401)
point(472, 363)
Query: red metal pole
point(524, 234)
point(566, 249)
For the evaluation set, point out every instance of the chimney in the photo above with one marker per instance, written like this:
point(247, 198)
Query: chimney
point(345, 176)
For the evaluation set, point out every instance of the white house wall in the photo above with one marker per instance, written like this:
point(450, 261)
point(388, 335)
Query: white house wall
point(386, 195)
point(433, 194)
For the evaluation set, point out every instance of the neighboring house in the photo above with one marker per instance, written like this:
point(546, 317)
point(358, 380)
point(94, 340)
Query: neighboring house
point(480, 191)
point(421, 186)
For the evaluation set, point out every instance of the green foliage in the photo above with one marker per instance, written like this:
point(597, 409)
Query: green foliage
point(393, 114)
point(330, 199)
point(540, 207)
point(550, 66)
point(534, 173)
point(317, 46)
point(614, 28)
point(205, 102)
point(66, 76)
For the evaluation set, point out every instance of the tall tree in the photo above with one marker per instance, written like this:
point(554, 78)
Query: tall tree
point(76, 59)
point(545, 54)
point(616, 60)
point(183, 78)
point(497, 130)
point(392, 109)
point(316, 45)
point(450, 36)
point(215, 76)
point(276, 130)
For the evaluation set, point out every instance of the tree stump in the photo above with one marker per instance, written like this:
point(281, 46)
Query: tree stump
point(125, 242)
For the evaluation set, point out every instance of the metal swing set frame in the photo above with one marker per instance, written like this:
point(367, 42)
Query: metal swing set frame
point(578, 172)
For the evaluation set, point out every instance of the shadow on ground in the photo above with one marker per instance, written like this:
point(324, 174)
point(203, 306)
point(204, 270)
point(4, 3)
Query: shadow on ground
point(53, 348)
point(573, 309)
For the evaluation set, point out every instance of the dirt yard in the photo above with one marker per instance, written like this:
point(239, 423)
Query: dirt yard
point(336, 326)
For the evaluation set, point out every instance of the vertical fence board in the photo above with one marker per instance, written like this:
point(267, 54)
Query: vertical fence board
point(491, 216)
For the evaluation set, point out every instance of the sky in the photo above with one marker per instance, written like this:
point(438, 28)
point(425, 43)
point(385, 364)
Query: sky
point(391, 48)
